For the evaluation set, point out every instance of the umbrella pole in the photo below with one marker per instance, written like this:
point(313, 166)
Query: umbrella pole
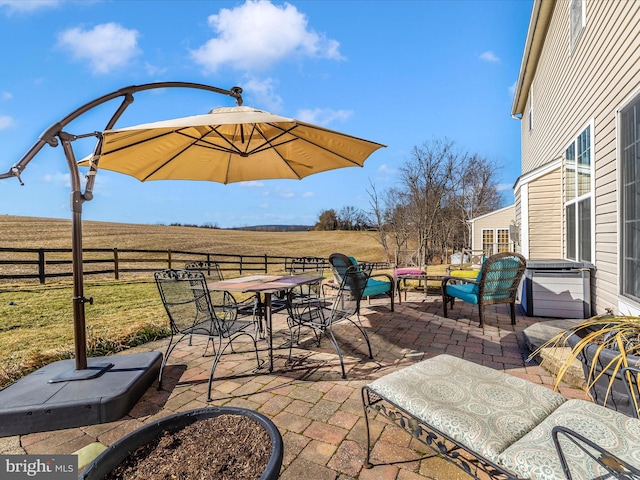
point(79, 300)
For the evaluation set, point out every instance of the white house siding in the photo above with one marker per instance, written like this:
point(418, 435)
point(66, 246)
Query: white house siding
point(572, 89)
point(545, 216)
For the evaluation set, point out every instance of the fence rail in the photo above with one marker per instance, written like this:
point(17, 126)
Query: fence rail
point(42, 264)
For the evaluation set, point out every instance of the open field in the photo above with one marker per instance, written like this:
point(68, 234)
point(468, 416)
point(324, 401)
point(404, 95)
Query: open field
point(32, 232)
point(36, 320)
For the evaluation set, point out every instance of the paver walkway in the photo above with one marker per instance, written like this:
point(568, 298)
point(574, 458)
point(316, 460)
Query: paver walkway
point(318, 413)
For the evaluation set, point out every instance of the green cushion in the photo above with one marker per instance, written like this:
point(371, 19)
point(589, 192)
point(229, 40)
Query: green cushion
point(376, 287)
point(534, 455)
point(484, 409)
point(467, 292)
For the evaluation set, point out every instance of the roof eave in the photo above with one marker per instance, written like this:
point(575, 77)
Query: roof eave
point(538, 26)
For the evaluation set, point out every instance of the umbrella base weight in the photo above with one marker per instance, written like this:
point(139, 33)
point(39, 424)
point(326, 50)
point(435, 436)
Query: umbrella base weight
point(92, 371)
point(34, 404)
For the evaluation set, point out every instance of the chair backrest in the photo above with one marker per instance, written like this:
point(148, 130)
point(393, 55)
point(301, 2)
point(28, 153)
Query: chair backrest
point(209, 268)
point(302, 265)
point(500, 276)
point(185, 298)
point(407, 258)
point(339, 265)
point(309, 266)
point(347, 301)
point(350, 275)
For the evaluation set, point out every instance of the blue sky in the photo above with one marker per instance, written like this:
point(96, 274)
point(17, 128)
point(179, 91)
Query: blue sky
point(395, 72)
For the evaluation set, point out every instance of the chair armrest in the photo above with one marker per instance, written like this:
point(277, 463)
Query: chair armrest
point(614, 465)
point(388, 277)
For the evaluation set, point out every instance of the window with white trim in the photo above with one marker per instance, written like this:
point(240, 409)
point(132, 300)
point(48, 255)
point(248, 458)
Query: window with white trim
point(487, 241)
point(630, 200)
point(503, 239)
point(577, 19)
point(578, 197)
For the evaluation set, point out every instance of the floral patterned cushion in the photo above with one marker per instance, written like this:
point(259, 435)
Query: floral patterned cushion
point(534, 456)
point(484, 409)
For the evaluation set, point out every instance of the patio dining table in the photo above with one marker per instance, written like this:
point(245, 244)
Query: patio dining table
point(267, 285)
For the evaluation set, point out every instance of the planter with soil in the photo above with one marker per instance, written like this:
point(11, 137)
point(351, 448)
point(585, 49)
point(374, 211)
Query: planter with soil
point(210, 444)
point(606, 390)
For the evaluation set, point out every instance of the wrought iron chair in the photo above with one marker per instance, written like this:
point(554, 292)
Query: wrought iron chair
point(308, 266)
point(193, 310)
point(321, 313)
point(340, 263)
point(497, 282)
point(248, 307)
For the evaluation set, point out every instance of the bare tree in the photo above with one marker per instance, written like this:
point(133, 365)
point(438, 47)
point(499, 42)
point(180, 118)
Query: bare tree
point(439, 190)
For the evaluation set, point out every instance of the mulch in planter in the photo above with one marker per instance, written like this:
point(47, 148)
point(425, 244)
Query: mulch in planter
point(224, 447)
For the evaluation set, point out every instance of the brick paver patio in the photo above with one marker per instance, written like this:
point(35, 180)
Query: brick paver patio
point(318, 413)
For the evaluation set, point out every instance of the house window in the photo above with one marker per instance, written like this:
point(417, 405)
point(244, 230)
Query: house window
point(503, 240)
point(578, 197)
point(487, 242)
point(630, 199)
point(576, 19)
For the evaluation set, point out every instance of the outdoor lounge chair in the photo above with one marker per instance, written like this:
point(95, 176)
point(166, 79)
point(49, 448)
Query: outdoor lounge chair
point(340, 263)
point(488, 422)
point(497, 282)
point(193, 310)
point(321, 313)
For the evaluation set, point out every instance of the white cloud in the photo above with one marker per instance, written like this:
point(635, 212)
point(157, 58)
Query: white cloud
point(287, 194)
point(512, 88)
point(6, 122)
point(323, 116)
point(105, 47)
point(489, 56)
point(251, 184)
point(6, 95)
point(384, 168)
point(58, 179)
point(264, 93)
point(503, 187)
point(308, 195)
point(28, 5)
point(258, 34)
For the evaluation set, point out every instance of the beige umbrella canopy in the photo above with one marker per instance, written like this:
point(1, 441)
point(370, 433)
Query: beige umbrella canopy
point(231, 144)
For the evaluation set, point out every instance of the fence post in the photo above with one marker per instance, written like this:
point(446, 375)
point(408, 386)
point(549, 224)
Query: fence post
point(266, 264)
point(169, 259)
point(116, 264)
point(240, 264)
point(41, 273)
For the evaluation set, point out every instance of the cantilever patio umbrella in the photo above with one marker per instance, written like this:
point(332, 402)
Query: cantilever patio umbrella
point(228, 145)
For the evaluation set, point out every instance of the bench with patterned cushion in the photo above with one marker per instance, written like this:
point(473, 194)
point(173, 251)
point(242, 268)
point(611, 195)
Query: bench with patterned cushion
point(503, 422)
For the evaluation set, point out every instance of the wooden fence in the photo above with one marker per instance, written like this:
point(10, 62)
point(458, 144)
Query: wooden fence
point(49, 263)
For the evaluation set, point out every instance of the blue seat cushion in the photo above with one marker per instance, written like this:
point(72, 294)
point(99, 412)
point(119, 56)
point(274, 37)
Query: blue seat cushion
point(467, 292)
point(376, 287)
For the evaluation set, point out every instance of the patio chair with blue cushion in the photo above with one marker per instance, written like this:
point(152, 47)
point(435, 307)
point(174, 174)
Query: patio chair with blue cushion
point(497, 282)
point(340, 263)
